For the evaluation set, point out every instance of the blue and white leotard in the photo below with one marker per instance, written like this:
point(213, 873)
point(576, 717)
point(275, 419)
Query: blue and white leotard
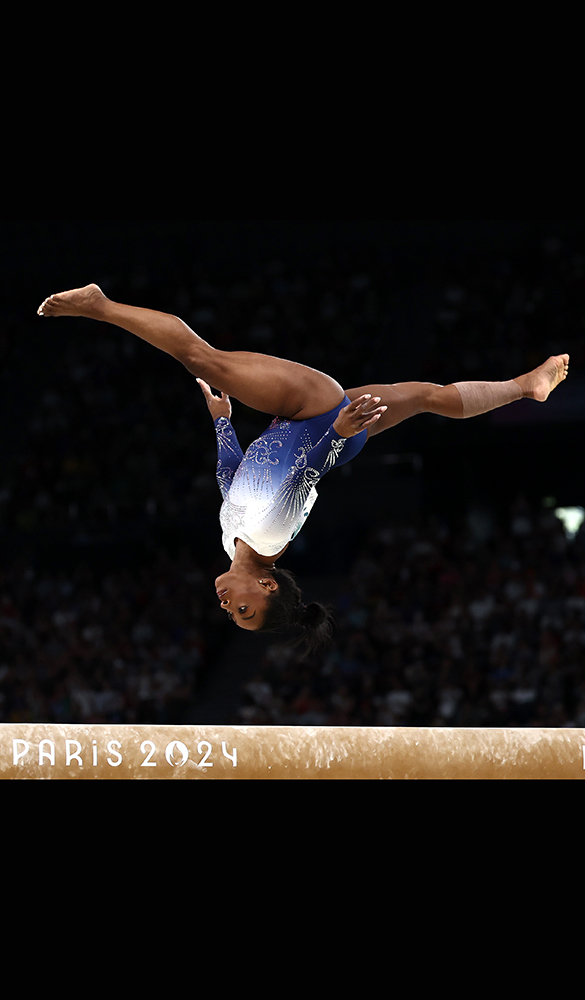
point(268, 493)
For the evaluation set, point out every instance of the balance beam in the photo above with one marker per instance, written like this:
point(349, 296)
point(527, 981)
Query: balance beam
point(39, 751)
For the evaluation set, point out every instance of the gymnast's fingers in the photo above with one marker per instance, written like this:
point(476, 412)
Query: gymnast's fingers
point(372, 420)
point(354, 407)
point(208, 392)
point(365, 402)
point(369, 416)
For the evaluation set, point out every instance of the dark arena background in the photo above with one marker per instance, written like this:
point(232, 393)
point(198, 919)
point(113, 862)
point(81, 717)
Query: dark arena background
point(453, 551)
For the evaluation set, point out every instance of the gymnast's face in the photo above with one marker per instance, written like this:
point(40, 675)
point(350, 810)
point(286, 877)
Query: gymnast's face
point(243, 595)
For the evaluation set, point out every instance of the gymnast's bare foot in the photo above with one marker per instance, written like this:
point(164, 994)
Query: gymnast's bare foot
point(85, 301)
point(540, 383)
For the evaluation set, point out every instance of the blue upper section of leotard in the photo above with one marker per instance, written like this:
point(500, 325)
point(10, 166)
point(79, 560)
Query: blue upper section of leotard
point(269, 491)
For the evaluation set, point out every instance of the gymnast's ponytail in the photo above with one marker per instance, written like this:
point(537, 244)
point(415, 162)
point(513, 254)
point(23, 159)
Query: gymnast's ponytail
point(286, 611)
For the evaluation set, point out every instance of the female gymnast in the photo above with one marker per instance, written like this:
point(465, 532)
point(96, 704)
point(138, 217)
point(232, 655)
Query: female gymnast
point(269, 491)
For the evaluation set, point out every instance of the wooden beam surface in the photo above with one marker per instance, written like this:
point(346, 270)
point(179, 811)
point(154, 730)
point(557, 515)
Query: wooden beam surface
point(42, 751)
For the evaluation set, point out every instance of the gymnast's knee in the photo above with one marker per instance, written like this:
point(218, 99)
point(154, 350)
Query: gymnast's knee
point(206, 362)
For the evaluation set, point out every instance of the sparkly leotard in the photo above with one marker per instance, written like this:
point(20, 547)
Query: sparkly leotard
point(268, 493)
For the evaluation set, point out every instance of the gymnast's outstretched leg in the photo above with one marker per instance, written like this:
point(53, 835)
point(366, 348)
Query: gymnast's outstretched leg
point(462, 399)
point(271, 385)
point(287, 389)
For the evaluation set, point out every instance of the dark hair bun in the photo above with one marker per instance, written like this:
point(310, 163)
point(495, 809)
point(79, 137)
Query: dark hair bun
point(286, 610)
point(315, 614)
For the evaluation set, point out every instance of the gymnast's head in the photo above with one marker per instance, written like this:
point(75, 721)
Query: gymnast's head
point(273, 602)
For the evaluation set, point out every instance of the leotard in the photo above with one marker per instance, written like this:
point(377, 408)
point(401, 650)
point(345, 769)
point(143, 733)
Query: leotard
point(269, 491)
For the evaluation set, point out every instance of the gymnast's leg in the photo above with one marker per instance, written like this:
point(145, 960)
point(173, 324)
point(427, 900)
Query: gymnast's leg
point(272, 385)
point(462, 399)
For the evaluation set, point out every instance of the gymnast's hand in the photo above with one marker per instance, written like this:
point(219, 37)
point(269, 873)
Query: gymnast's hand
point(219, 406)
point(358, 416)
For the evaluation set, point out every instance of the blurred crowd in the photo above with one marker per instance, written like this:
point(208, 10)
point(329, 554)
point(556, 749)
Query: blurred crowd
point(504, 313)
point(109, 507)
point(439, 628)
point(125, 645)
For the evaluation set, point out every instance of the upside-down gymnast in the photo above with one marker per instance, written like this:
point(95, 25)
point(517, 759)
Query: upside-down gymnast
point(269, 491)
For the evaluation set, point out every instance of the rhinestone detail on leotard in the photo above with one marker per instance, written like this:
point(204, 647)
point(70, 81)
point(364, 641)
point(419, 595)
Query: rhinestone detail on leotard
point(269, 492)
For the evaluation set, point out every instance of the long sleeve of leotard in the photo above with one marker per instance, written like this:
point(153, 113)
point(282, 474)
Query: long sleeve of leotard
point(322, 457)
point(309, 466)
point(229, 454)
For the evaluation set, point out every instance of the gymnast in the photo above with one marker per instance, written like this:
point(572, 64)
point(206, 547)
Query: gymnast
point(269, 491)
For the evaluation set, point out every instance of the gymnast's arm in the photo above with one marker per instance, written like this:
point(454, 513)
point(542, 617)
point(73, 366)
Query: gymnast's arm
point(229, 452)
point(351, 420)
point(312, 465)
